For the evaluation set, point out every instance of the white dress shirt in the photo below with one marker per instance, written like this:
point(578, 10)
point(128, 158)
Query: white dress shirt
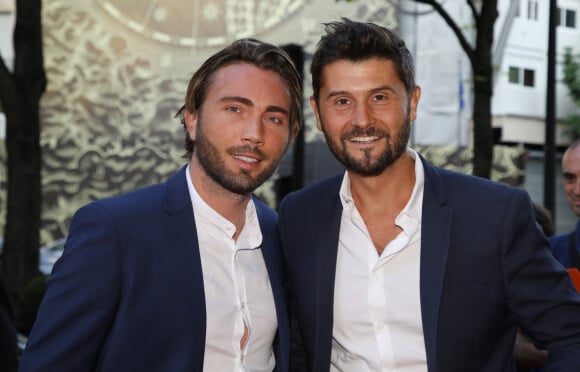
point(237, 291)
point(377, 305)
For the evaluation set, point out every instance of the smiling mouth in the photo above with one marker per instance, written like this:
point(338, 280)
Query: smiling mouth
point(364, 139)
point(245, 159)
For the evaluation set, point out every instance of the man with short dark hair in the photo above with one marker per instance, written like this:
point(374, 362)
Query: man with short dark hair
point(398, 265)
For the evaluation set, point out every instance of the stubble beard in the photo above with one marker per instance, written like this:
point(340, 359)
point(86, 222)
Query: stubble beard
point(367, 166)
point(575, 209)
point(242, 183)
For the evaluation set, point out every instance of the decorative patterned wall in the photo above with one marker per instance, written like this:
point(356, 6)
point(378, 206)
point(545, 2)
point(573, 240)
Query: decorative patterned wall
point(106, 115)
point(509, 163)
point(118, 71)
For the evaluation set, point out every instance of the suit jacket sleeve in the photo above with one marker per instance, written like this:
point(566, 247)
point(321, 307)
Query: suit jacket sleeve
point(539, 290)
point(80, 301)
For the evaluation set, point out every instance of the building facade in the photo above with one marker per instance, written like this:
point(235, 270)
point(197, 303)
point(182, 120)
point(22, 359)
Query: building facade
point(519, 102)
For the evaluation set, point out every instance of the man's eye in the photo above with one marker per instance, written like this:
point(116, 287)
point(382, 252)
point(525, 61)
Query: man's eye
point(233, 109)
point(380, 97)
point(342, 101)
point(274, 119)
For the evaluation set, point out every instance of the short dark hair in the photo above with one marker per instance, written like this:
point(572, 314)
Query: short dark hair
point(264, 56)
point(357, 41)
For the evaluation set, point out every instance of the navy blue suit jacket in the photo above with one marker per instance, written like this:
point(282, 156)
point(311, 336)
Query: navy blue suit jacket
point(561, 247)
point(485, 268)
point(127, 293)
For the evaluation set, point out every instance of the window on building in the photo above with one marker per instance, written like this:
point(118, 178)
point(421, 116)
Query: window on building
point(514, 75)
point(571, 18)
point(528, 77)
point(521, 76)
point(566, 18)
point(533, 10)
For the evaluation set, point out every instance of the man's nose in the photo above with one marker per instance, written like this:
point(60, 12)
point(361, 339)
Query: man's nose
point(253, 131)
point(363, 116)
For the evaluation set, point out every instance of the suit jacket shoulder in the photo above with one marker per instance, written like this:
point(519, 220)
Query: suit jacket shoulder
point(313, 197)
point(129, 275)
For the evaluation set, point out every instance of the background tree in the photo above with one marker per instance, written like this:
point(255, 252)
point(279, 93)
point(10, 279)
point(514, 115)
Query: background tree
point(572, 81)
point(479, 55)
point(484, 13)
point(20, 93)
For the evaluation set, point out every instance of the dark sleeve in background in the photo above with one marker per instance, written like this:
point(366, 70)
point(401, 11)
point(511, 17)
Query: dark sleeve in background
point(8, 346)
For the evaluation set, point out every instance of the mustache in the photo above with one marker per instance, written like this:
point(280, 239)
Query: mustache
point(247, 150)
point(364, 132)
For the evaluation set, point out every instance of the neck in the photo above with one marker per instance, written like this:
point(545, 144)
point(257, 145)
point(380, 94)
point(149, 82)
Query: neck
point(228, 204)
point(380, 199)
point(387, 193)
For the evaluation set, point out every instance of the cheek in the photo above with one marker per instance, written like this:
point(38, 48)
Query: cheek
point(275, 135)
point(279, 140)
point(334, 122)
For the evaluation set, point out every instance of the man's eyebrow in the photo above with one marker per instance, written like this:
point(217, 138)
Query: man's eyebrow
point(336, 93)
point(372, 91)
point(242, 100)
point(279, 109)
point(249, 102)
point(568, 174)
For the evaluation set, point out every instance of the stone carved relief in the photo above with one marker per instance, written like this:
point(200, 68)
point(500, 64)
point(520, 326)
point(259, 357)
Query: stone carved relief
point(508, 166)
point(199, 23)
point(107, 115)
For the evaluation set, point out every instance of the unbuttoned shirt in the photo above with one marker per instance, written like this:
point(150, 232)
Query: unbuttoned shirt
point(237, 291)
point(377, 308)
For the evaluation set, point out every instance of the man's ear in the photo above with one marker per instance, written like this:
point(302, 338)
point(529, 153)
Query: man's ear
point(316, 113)
point(190, 123)
point(414, 103)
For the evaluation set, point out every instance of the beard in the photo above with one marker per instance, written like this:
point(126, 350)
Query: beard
point(367, 165)
point(214, 165)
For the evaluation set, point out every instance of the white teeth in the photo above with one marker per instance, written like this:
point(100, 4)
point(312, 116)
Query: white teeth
point(246, 159)
point(363, 139)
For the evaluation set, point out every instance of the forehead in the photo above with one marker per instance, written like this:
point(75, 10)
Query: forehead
point(346, 75)
point(234, 76)
point(571, 161)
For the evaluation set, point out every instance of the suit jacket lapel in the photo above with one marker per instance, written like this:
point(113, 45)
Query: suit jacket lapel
point(435, 238)
point(182, 244)
point(272, 259)
point(326, 254)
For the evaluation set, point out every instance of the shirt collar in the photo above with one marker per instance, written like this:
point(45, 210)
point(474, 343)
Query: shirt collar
point(410, 217)
point(250, 236)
